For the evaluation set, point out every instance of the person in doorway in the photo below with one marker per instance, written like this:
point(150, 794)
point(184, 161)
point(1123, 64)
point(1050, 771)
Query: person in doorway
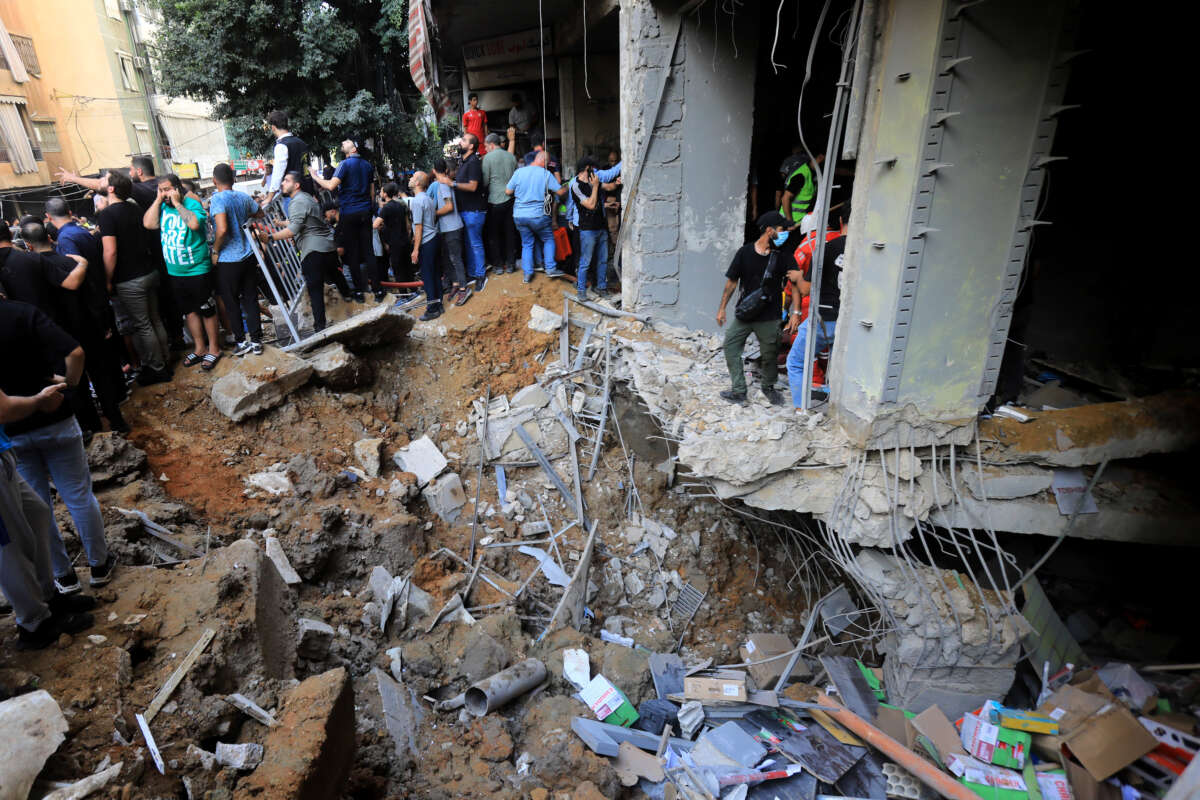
point(587, 204)
point(799, 187)
point(26, 575)
point(497, 167)
point(182, 225)
point(755, 266)
point(450, 233)
point(392, 223)
point(521, 118)
point(470, 196)
point(474, 119)
point(354, 181)
point(829, 298)
point(612, 203)
point(314, 238)
point(425, 244)
point(237, 268)
point(130, 267)
point(534, 189)
point(48, 445)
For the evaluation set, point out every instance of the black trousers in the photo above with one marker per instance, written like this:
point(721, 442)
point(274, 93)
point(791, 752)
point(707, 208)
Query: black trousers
point(237, 282)
point(356, 227)
point(502, 234)
point(318, 268)
point(103, 371)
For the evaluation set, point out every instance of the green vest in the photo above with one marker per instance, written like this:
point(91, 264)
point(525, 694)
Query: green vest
point(802, 202)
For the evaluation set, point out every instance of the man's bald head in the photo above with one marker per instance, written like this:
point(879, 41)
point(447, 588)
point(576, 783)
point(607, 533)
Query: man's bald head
point(421, 179)
point(540, 159)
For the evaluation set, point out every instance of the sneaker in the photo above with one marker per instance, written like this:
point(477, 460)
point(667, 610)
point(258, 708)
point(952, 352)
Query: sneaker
point(462, 296)
point(431, 313)
point(67, 584)
point(359, 297)
point(773, 396)
point(554, 273)
point(49, 629)
point(527, 279)
point(103, 573)
point(380, 295)
point(481, 283)
point(242, 348)
point(256, 348)
point(71, 603)
point(734, 397)
point(582, 295)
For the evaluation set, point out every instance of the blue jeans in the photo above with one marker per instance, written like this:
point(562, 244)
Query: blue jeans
point(25, 576)
point(592, 244)
point(531, 229)
point(795, 359)
point(431, 276)
point(476, 260)
point(55, 453)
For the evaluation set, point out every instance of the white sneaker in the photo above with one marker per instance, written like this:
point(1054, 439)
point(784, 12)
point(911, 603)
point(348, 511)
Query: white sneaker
point(243, 348)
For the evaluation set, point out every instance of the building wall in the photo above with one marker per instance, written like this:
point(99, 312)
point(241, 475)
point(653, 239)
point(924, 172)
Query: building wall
point(690, 203)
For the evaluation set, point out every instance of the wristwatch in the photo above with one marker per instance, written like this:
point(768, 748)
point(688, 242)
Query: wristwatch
point(453, 184)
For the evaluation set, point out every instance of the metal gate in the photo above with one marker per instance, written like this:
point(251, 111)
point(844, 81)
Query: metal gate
point(279, 261)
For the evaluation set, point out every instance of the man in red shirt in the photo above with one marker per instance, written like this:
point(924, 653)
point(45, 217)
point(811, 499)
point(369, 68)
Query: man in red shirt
point(475, 120)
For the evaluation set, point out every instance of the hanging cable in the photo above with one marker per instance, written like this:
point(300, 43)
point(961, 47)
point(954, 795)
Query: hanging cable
point(542, 59)
point(775, 42)
point(586, 90)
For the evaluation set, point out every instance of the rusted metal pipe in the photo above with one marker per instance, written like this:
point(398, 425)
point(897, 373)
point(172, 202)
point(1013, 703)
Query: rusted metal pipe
point(491, 693)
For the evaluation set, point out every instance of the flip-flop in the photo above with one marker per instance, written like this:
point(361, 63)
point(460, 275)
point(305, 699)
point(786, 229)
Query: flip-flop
point(210, 361)
point(192, 360)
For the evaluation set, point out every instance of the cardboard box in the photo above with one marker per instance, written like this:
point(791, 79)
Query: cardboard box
point(1028, 721)
point(1097, 729)
point(1054, 785)
point(608, 703)
point(727, 686)
point(937, 728)
point(765, 645)
point(992, 744)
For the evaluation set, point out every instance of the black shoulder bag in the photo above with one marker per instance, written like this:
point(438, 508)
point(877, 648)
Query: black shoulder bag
point(752, 305)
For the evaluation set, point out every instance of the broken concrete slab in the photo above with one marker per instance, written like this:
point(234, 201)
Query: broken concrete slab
point(87, 786)
point(244, 756)
point(279, 558)
point(313, 639)
point(366, 453)
point(274, 482)
point(446, 497)
point(34, 727)
point(308, 756)
point(401, 714)
point(543, 320)
point(257, 384)
point(377, 325)
point(422, 458)
point(1007, 483)
point(533, 396)
point(336, 367)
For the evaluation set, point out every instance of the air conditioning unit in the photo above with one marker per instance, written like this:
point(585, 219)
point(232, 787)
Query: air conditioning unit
point(141, 63)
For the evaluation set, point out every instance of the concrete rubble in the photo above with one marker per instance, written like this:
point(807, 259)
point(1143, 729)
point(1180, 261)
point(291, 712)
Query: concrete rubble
point(260, 383)
point(34, 727)
point(336, 367)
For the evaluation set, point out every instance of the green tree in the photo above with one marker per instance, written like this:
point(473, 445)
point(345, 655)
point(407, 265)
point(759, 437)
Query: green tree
point(338, 67)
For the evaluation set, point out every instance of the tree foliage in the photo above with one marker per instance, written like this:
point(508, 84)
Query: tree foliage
point(338, 67)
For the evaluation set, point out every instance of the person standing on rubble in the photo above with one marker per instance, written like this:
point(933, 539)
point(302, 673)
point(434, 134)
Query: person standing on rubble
point(354, 181)
point(536, 191)
point(450, 232)
point(48, 444)
point(498, 166)
point(237, 269)
point(314, 238)
point(425, 244)
point(828, 303)
point(756, 268)
point(470, 196)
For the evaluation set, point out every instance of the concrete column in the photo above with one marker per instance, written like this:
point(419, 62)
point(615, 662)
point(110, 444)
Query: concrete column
point(948, 177)
point(689, 205)
point(566, 109)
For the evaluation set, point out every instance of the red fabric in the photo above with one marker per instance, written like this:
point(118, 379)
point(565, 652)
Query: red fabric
point(804, 251)
point(562, 244)
point(475, 121)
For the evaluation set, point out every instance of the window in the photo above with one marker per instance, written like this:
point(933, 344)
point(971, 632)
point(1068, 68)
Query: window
point(47, 137)
point(128, 71)
point(17, 145)
point(142, 133)
point(24, 45)
point(113, 8)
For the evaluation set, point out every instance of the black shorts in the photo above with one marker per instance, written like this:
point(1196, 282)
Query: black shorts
point(194, 294)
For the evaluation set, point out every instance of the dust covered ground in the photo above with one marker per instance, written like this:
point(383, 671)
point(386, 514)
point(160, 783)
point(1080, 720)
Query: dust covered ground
point(185, 466)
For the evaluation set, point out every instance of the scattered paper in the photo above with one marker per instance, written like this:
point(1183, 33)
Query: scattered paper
point(1069, 486)
point(576, 667)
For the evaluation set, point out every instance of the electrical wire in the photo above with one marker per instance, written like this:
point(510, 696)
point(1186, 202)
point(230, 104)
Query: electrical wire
point(542, 60)
point(586, 90)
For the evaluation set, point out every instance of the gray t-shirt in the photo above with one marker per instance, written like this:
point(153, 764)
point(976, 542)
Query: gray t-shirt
point(498, 166)
point(423, 213)
point(452, 221)
point(308, 225)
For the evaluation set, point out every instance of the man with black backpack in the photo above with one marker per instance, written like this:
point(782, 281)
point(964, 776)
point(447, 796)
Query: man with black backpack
point(758, 268)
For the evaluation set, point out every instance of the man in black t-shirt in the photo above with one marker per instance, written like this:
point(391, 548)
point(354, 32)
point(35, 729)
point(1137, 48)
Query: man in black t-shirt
point(392, 222)
point(471, 195)
point(130, 254)
point(749, 270)
point(29, 278)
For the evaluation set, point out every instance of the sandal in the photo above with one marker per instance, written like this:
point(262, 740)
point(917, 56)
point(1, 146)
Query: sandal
point(210, 361)
point(192, 360)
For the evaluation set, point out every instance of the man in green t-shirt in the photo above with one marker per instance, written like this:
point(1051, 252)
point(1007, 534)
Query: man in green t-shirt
point(182, 223)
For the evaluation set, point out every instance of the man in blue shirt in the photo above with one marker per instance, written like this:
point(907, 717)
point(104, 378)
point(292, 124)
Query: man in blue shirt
point(237, 269)
point(530, 185)
point(425, 244)
point(354, 180)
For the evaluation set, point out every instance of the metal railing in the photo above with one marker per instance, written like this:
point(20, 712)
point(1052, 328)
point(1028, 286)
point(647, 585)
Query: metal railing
point(279, 261)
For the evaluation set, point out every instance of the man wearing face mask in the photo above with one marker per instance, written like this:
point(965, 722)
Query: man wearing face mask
point(756, 265)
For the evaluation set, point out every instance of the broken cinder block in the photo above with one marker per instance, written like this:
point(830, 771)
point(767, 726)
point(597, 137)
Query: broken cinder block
point(313, 639)
point(446, 497)
point(366, 453)
point(257, 384)
point(422, 458)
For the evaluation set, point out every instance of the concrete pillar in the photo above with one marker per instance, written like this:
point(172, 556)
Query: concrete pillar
point(566, 111)
point(949, 172)
point(690, 202)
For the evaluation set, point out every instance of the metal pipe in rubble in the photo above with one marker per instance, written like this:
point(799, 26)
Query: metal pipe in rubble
point(491, 693)
point(824, 191)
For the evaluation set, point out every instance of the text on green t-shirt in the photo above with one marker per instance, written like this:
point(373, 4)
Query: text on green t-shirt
point(184, 250)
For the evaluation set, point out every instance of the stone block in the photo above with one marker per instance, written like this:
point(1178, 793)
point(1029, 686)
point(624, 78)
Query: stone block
point(422, 458)
point(663, 293)
point(34, 727)
point(308, 756)
point(663, 181)
point(377, 325)
point(259, 383)
point(313, 639)
point(335, 366)
point(533, 396)
point(245, 756)
point(279, 558)
point(366, 453)
point(660, 265)
point(543, 320)
point(671, 112)
point(482, 657)
point(662, 151)
point(446, 497)
point(663, 213)
point(658, 240)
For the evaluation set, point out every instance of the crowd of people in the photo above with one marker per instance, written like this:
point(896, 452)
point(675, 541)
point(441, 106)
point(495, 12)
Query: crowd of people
point(165, 275)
